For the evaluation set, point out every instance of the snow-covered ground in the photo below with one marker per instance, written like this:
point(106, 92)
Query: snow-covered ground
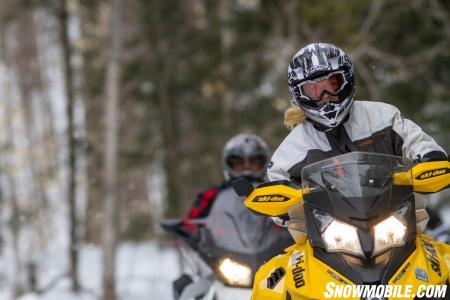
point(145, 271)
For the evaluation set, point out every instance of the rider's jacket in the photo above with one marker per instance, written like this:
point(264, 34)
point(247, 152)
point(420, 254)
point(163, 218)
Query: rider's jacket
point(203, 203)
point(371, 127)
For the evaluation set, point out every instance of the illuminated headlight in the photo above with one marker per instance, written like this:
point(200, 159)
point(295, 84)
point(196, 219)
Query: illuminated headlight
point(389, 233)
point(339, 236)
point(235, 273)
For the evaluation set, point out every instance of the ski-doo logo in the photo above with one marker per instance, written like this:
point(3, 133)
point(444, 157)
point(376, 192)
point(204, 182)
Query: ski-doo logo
point(299, 280)
point(297, 271)
point(432, 173)
point(432, 257)
point(271, 198)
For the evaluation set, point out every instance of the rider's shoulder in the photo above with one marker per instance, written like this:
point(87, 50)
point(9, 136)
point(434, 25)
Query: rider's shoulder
point(372, 114)
point(372, 106)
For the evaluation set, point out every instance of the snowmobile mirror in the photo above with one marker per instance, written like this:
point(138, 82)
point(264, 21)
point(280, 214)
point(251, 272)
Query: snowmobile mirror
point(170, 225)
point(242, 187)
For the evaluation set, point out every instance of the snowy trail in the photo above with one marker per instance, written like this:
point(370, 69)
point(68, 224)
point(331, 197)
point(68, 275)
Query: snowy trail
point(145, 271)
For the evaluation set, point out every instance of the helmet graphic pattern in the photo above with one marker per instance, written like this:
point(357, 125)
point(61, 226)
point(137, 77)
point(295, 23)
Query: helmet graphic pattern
point(315, 60)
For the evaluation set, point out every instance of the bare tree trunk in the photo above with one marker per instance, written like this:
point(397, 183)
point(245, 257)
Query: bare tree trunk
point(14, 224)
point(6, 166)
point(14, 221)
point(24, 59)
point(26, 65)
point(92, 41)
point(168, 118)
point(72, 154)
point(111, 152)
point(171, 153)
point(227, 40)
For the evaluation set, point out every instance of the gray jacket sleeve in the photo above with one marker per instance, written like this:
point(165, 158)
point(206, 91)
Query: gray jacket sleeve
point(277, 173)
point(292, 150)
point(416, 143)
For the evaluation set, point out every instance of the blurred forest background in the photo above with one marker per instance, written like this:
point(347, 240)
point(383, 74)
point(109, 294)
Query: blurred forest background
point(186, 75)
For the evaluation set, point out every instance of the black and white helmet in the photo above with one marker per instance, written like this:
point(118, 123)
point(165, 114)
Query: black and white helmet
point(317, 69)
point(248, 148)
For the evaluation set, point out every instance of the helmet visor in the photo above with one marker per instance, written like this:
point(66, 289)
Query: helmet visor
point(252, 163)
point(333, 83)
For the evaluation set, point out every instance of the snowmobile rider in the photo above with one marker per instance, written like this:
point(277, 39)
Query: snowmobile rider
point(244, 155)
point(325, 119)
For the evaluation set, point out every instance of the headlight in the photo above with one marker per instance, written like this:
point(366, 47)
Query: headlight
point(235, 273)
point(340, 236)
point(389, 233)
point(337, 236)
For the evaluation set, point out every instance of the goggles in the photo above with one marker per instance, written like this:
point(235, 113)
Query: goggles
point(240, 163)
point(332, 83)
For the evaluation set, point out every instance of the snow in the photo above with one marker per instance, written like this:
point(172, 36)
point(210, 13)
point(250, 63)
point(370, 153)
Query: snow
point(144, 271)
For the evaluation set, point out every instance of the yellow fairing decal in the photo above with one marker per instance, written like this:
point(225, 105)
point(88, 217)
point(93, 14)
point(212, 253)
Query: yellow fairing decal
point(273, 200)
point(306, 277)
point(426, 266)
point(260, 289)
point(431, 177)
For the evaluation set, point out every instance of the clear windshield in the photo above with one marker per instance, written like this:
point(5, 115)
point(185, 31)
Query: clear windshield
point(235, 229)
point(231, 230)
point(356, 174)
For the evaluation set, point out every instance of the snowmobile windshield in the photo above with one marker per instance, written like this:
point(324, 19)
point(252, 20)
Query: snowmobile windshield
point(233, 236)
point(231, 227)
point(357, 174)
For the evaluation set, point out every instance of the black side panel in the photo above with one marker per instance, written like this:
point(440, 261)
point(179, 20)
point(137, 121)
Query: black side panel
point(360, 274)
point(336, 262)
point(398, 257)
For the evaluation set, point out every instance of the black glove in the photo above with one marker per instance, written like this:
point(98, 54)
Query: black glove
point(431, 156)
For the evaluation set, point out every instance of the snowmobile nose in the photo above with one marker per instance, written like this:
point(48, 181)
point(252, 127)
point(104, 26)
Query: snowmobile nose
point(367, 242)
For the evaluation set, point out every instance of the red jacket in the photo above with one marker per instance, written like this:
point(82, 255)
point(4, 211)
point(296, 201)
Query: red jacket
point(202, 205)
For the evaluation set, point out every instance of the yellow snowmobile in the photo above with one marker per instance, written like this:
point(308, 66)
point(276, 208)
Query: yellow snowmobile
point(357, 226)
